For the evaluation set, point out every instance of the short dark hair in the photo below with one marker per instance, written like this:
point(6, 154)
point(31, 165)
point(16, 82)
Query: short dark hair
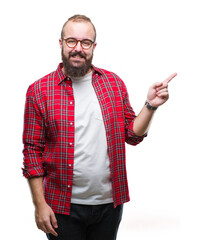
point(78, 18)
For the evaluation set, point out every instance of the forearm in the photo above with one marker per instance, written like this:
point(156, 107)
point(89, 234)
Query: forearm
point(36, 187)
point(142, 121)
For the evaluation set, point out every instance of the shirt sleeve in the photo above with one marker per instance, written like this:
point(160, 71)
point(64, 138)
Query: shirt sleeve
point(33, 137)
point(130, 137)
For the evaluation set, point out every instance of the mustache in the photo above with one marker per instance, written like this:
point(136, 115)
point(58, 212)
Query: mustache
point(73, 54)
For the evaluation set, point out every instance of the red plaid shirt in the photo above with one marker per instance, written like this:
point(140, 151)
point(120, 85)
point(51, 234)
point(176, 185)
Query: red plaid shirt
point(49, 130)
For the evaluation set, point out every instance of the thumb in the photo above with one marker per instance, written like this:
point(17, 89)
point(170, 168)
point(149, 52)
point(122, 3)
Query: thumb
point(53, 220)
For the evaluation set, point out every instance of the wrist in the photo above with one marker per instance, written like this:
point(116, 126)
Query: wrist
point(39, 203)
point(149, 106)
point(39, 199)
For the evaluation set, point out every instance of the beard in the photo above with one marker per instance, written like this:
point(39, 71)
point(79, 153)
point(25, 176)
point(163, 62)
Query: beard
point(74, 71)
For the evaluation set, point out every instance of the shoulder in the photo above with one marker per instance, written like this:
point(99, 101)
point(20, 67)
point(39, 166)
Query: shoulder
point(42, 83)
point(108, 75)
point(111, 77)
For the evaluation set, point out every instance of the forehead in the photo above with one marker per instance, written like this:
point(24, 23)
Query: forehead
point(79, 30)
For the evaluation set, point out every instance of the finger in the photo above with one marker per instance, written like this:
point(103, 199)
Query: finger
point(46, 227)
point(156, 85)
point(164, 87)
point(42, 227)
point(161, 90)
point(163, 94)
point(53, 232)
point(167, 80)
point(50, 229)
point(53, 220)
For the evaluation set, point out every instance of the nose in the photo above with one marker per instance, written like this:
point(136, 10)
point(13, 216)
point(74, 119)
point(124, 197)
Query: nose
point(78, 47)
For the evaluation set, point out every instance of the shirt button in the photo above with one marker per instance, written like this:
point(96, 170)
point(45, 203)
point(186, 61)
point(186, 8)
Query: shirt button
point(71, 102)
point(70, 144)
point(71, 123)
point(70, 165)
point(68, 186)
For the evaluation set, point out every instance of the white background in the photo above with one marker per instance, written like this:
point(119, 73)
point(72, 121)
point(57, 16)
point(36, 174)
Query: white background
point(143, 42)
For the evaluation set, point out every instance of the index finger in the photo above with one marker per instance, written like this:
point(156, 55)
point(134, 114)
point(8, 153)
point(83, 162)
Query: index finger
point(167, 80)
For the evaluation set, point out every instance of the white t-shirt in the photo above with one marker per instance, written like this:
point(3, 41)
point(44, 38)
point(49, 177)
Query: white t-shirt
point(91, 176)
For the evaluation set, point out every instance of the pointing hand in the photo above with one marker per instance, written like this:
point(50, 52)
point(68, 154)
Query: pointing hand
point(158, 92)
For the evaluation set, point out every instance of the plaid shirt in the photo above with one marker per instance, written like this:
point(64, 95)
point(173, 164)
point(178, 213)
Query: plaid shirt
point(49, 130)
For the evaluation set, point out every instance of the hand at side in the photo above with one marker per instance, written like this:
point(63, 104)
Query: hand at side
point(45, 219)
point(44, 215)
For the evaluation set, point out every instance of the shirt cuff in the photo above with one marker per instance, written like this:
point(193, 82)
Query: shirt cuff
point(33, 172)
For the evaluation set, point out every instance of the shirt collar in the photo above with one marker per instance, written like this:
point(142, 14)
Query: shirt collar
point(96, 70)
point(61, 76)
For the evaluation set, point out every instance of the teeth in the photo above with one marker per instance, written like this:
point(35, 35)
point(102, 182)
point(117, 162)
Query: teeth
point(77, 56)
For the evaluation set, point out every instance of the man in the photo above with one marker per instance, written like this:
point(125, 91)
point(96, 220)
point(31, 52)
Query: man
point(77, 120)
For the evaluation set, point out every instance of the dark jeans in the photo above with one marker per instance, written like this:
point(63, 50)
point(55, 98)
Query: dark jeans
point(87, 222)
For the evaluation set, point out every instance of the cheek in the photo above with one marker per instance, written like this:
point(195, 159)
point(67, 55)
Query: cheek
point(89, 53)
point(65, 52)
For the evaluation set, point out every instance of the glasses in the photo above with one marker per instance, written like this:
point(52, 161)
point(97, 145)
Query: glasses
point(72, 42)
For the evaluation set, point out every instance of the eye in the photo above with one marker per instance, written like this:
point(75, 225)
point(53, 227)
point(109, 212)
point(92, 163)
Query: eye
point(71, 41)
point(86, 43)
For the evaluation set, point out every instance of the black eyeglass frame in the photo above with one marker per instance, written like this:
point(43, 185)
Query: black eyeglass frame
point(81, 42)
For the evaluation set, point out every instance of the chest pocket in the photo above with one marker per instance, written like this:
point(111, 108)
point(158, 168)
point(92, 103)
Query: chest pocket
point(97, 110)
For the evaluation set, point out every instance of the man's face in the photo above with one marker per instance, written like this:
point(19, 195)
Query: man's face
point(77, 60)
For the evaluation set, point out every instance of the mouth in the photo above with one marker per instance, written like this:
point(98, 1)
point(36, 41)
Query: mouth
point(77, 56)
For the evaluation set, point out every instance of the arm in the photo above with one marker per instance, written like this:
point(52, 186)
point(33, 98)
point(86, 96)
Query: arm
point(44, 215)
point(34, 144)
point(157, 95)
point(143, 121)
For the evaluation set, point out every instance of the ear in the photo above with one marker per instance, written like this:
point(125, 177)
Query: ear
point(94, 46)
point(61, 43)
